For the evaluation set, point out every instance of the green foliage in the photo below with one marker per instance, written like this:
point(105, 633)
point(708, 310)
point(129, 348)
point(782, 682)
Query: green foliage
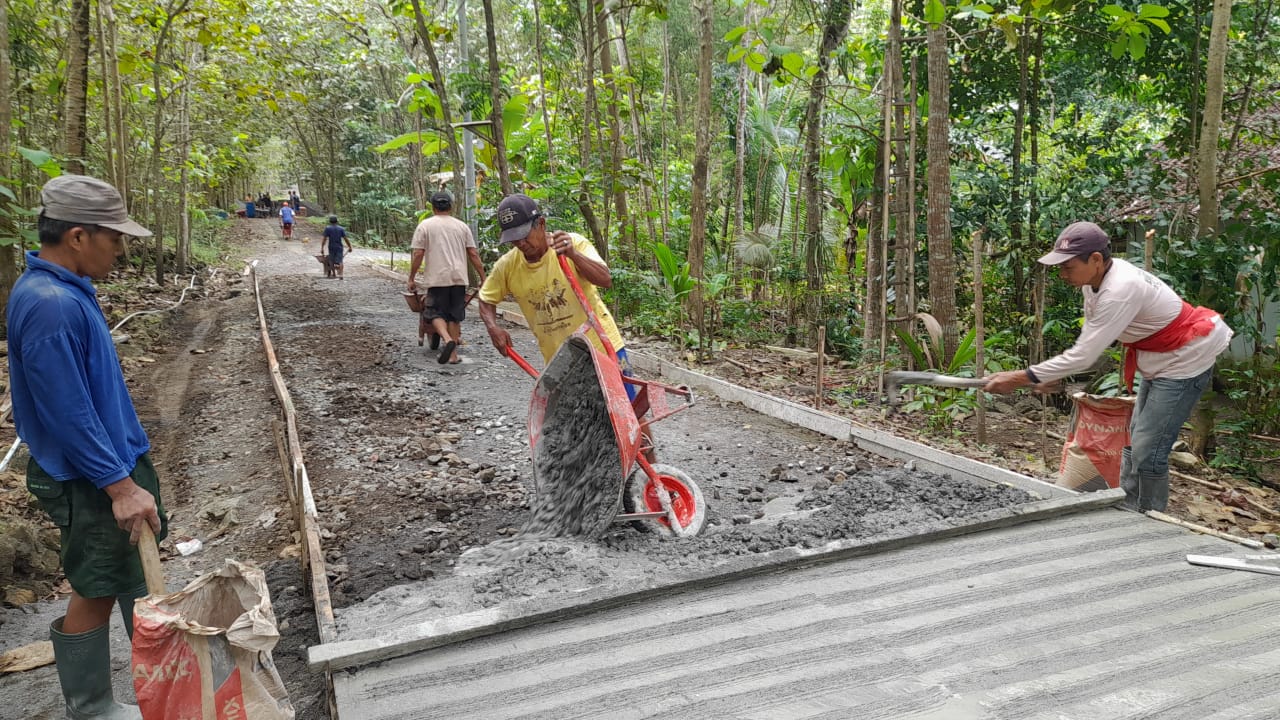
point(1132, 31)
point(675, 273)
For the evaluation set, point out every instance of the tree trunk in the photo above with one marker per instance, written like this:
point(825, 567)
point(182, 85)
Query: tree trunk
point(898, 181)
point(115, 92)
point(8, 233)
point(75, 105)
point(662, 131)
point(1207, 161)
point(614, 190)
point(184, 176)
point(1016, 235)
point(1207, 178)
point(495, 101)
point(542, 88)
point(172, 11)
point(834, 27)
point(703, 10)
point(638, 118)
point(446, 115)
point(1039, 276)
point(942, 256)
point(740, 142)
point(872, 315)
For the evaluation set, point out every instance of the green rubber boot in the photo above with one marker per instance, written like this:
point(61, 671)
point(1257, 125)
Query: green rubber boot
point(84, 669)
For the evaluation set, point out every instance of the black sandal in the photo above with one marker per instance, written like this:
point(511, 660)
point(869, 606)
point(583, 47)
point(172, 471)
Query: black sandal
point(447, 351)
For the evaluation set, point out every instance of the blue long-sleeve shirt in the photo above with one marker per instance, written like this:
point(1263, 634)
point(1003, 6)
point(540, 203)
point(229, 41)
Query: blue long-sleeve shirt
point(70, 402)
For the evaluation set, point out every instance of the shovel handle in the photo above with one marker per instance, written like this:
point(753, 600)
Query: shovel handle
point(150, 555)
point(524, 364)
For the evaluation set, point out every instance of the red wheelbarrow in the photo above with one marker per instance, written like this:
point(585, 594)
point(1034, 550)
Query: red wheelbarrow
point(656, 492)
point(417, 301)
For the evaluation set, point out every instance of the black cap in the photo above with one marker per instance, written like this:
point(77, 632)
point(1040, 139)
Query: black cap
point(441, 200)
point(516, 214)
point(333, 219)
point(1080, 238)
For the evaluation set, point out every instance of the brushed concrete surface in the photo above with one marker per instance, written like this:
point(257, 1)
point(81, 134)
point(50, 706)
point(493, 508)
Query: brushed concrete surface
point(1093, 616)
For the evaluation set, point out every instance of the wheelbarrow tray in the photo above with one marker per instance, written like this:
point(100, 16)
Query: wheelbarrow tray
point(552, 403)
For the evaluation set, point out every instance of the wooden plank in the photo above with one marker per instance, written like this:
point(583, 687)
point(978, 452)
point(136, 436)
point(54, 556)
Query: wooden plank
point(509, 616)
point(298, 485)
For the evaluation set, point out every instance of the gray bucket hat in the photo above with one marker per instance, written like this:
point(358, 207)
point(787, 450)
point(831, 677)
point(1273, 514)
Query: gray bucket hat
point(82, 199)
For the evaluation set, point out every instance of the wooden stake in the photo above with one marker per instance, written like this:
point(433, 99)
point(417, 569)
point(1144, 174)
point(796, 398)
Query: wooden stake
point(822, 353)
point(1247, 542)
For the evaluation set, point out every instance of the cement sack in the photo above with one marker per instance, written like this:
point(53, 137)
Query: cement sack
point(1099, 433)
point(204, 653)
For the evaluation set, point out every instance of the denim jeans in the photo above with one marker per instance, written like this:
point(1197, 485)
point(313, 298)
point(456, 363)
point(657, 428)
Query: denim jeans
point(1163, 406)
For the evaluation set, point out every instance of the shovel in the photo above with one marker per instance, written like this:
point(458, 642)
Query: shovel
point(150, 555)
point(895, 379)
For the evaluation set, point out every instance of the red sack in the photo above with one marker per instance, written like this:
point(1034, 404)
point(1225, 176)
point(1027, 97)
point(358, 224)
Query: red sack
point(205, 651)
point(1099, 433)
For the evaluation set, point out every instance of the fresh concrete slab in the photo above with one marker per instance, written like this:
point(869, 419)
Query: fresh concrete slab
point(1090, 616)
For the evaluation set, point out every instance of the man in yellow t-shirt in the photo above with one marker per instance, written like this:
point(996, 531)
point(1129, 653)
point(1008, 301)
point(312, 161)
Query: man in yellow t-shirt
point(533, 277)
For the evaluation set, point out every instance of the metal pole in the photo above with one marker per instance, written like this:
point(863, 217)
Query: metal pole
point(468, 152)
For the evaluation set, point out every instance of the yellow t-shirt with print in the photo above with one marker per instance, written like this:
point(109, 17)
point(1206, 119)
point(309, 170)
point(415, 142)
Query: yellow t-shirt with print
point(546, 298)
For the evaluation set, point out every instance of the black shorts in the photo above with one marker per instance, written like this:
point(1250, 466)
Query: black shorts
point(448, 303)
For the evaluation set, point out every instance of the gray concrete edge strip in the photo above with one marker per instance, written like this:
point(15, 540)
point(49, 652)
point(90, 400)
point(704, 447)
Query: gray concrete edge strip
point(876, 441)
point(510, 616)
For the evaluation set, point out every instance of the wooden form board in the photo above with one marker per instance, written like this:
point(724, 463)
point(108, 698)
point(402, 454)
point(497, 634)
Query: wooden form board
point(298, 485)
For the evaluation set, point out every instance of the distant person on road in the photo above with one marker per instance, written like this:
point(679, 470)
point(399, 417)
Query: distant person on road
point(264, 202)
point(446, 244)
point(533, 277)
point(286, 220)
point(89, 465)
point(1173, 345)
point(334, 235)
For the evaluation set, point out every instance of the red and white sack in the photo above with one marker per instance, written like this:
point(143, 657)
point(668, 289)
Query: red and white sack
point(204, 653)
point(1099, 433)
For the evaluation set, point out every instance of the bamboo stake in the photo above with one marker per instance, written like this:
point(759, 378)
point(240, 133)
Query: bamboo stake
point(1247, 542)
point(822, 351)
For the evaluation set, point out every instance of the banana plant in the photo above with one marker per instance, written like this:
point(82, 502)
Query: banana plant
point(675, 276)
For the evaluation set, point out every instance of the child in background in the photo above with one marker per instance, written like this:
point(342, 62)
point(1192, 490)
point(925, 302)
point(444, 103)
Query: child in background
point(334, 235)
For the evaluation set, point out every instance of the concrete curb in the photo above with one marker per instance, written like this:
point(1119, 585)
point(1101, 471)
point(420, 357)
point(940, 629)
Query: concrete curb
point(510, 616)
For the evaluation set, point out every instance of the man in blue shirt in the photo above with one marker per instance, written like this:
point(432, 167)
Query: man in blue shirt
point(286, 220)
point(89, 465)
point(334, 236)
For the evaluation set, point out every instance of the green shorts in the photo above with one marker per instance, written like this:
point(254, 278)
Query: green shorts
point(96, 554)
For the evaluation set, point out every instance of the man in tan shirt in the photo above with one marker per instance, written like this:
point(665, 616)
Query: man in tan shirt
point(446, 244)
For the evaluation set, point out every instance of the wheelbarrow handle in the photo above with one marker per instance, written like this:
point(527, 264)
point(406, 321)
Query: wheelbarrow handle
point(524, 364)
point(586, 306)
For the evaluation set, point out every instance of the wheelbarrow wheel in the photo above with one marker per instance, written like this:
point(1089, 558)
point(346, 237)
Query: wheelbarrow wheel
point(686, 500)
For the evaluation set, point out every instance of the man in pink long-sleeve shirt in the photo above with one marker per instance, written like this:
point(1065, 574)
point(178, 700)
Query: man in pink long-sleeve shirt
point(1172, 344)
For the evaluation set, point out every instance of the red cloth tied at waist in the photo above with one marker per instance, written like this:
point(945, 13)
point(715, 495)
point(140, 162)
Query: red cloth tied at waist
point(1191, 323)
